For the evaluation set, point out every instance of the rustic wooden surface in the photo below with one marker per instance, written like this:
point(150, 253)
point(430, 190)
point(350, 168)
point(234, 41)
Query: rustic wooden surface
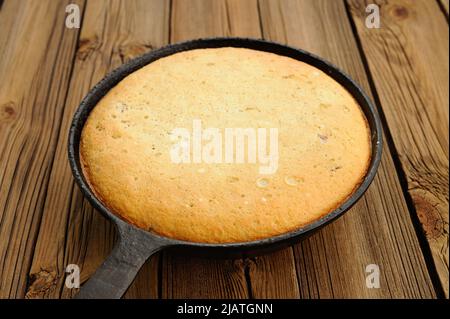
point(401, 223)
point(415, 93)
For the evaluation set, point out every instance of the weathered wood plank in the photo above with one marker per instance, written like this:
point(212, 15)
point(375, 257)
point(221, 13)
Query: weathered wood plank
point(378, 230)
point(71, 231)
point(184, 277)
point(35, 67)
point(408, 59)
point(273, 275)
point(190, 277)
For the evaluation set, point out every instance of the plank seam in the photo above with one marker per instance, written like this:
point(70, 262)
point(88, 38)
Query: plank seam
point(261, 26)
point(248, 279)
point(169, 33)
point(442, 8)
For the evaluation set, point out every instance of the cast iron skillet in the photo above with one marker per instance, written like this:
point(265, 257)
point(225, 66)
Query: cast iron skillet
point(135, 245)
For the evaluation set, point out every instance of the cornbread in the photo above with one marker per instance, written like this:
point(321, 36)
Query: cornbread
point(323, 145)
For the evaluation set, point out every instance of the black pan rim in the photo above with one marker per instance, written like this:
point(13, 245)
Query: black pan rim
point(112, 78)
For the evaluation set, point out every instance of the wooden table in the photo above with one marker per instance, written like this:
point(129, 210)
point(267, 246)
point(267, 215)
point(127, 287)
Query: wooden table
point(401, 224)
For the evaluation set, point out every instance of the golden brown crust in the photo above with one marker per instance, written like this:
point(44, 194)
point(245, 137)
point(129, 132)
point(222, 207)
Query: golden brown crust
point(324, 145)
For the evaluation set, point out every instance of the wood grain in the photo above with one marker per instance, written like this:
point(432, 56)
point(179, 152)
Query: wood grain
point(71, 231)
point(193, 277)
point(409, 65)
point(378, 229)
point(273, 275)
point(36, 51)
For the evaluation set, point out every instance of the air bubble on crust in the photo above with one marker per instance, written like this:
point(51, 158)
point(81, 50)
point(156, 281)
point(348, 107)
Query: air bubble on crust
point(262, 182)
point(292, 180)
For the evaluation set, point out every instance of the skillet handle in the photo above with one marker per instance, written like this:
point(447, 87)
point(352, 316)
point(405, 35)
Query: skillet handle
point(118, 271)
